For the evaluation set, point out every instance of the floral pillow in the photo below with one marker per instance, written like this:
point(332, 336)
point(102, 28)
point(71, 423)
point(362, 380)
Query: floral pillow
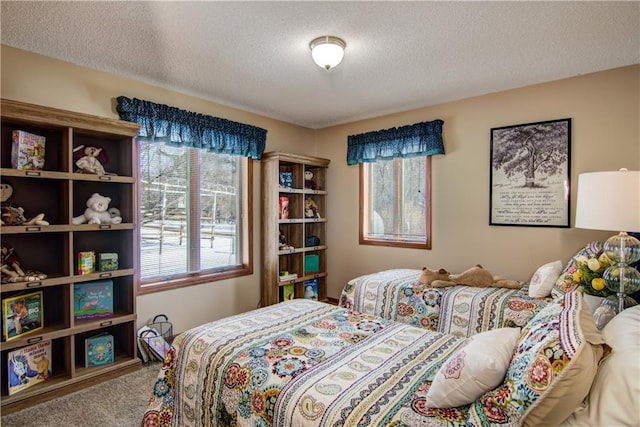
point(474, 369)
point(553, 366)
point(564, 284)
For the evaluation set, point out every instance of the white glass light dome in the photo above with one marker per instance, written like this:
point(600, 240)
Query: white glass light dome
point(327, 51)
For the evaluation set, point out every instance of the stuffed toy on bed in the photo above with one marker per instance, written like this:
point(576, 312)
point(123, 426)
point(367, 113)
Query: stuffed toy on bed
point(476, 277)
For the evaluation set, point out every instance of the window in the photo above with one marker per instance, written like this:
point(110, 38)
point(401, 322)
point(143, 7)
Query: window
point(195, 194)
point(395, 202)
point(195, 225)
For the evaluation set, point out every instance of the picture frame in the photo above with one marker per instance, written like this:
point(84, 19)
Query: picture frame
point(530, 174)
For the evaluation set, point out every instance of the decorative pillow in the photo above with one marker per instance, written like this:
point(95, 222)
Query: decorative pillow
point(614, 399)
point(553, 366)
point(562, 287)
point(474, 369)
point(544, 278)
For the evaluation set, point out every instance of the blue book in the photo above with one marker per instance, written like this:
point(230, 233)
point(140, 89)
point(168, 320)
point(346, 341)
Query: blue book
point(311, 289)
point(286, 179)
point(99, 350)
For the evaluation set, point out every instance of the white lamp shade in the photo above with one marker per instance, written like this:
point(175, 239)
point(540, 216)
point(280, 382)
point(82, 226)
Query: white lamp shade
point(327, 51)
point(609, 201)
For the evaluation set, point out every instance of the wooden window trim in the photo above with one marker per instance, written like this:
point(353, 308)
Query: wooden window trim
point(212, 275)
point(364, 214)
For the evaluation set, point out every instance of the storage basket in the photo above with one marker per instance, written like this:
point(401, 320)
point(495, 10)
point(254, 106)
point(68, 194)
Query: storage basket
point(154, 339)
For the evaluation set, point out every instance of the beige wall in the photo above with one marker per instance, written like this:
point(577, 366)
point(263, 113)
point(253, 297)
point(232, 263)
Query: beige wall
point(604, 108)
point(605, 112)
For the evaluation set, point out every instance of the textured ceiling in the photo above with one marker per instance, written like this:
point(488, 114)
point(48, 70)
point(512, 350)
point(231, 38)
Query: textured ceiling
point(399, 56)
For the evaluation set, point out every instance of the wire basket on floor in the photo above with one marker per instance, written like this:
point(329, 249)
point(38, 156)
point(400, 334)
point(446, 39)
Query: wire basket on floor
point(154, 339)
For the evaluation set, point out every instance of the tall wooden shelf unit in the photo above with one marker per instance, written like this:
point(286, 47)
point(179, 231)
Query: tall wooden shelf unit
point(296, 228)
point(60, 193)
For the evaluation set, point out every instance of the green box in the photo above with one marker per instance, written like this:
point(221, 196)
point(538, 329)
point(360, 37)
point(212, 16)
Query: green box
point(311, 263)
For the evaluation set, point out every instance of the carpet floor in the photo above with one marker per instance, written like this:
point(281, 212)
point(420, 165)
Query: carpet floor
point(119, 402)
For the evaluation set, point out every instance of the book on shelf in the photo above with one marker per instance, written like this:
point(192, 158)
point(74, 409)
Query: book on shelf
point(86, 262)
point(287, 277)
point(107, 261)
point(284, 207)
point(286, 179)
point(98, 350)
point(311, 289)
point(287, 292)
point(28, 366)
point(27, 151)
point(22, 314)
point(93, 299)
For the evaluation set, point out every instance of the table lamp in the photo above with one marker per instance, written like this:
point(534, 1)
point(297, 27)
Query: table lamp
point(610, 200)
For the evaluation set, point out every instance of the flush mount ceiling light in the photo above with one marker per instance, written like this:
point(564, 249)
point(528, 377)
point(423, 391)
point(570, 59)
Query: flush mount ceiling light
point(327, 51)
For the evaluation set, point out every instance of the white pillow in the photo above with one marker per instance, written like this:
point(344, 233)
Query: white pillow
point(614, 399)
point(476, 368)
point(544, 278)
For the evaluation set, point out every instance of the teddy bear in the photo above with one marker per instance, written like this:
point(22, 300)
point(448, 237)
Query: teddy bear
point(14, 215)
point(90, 160)
point(475, 276)
point(97, 212)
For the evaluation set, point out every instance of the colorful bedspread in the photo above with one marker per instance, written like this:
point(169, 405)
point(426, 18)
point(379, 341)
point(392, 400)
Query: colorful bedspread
point(398, 295)
point(307, 363)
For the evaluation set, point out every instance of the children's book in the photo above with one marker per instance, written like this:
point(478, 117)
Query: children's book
point(286, 179)
point(27, 151)
point(28, 366)
point(311, 289)
point(284, 207)
point(152, 344)
point(21, 314)
point(86, 262)
point(98, 350)
point(287, 292)
point(93, 299)
point(108, 261)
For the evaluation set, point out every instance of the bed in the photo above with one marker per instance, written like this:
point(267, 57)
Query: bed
point(306, 363)
point(398, 295)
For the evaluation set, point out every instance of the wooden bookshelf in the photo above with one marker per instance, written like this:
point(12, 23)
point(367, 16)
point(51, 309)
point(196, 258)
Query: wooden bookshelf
point(60, 193)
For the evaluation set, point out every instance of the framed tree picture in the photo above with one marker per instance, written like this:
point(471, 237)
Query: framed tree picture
point(529, 181)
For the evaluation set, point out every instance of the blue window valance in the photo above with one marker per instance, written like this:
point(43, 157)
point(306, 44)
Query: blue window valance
point(172, 125)
point(420, 139)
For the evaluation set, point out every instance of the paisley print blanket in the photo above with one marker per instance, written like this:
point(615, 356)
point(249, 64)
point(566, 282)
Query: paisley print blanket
point(306, 363)
point(398, 295)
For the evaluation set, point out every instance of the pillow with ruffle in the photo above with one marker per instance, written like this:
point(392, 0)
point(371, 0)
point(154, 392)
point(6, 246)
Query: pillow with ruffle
point(552, 369)
point(563, 286)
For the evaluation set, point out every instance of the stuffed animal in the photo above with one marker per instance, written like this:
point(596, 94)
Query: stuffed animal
point(11, 269)
point(90, 160)
point(14, 215)
point(309, 183)
point(476, 277)
point(97, 212)
point(282, 242)
point(310, 208)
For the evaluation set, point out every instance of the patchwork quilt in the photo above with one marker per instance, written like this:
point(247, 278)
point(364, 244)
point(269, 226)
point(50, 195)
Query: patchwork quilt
point(398, 295)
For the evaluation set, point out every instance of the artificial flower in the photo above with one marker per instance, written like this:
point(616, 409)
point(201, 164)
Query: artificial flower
point(588, 273)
